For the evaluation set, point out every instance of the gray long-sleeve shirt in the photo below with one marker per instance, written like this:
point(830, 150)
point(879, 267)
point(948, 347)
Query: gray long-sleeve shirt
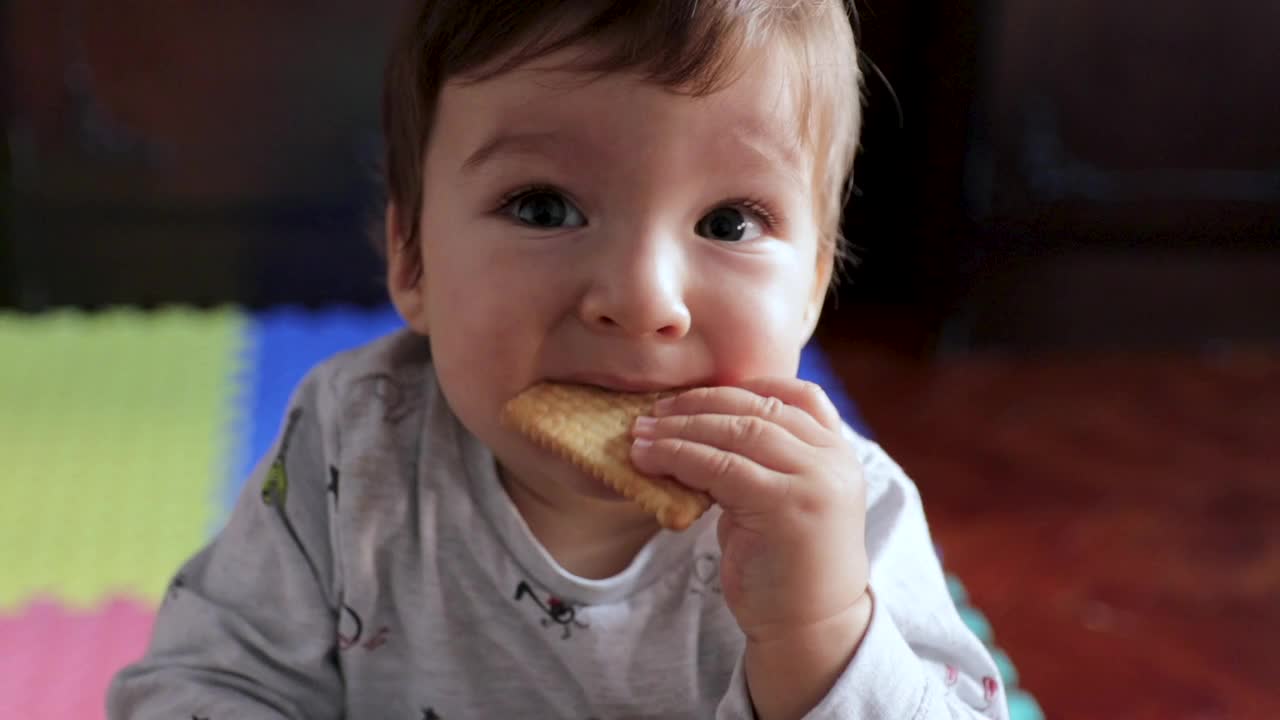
point(375, 568)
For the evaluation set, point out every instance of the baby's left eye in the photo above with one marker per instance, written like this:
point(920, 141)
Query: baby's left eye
point(729, 224)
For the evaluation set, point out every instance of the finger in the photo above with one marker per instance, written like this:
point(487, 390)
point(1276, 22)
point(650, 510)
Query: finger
point(751, 436)
point(735, 482)
point(802, 394)
point(741, 401)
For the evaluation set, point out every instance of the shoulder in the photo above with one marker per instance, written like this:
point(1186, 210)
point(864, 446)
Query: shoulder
point(390, 370)
point(374, 386)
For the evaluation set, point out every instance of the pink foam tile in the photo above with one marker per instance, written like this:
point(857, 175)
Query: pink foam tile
point(57, 663)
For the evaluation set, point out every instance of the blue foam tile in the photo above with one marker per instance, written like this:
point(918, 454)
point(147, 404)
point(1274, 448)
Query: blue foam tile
point(814, 367)
point(283, 344)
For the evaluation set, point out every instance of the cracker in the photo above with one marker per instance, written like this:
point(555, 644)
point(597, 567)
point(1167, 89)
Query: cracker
point(591, 427)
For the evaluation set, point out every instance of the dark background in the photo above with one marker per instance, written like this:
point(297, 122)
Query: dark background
point(1042, 174)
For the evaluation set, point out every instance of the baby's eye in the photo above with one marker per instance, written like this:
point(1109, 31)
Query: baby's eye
point(544, 209)
point(729, 224)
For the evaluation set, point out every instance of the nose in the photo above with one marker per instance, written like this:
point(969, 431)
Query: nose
point(637, 288)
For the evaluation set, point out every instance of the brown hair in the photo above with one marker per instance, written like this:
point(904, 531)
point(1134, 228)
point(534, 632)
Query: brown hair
point(688, 46)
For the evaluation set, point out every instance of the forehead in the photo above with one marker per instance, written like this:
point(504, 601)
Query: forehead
point(547, 102)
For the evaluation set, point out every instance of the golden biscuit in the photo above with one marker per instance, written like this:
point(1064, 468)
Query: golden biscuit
point(591, 427)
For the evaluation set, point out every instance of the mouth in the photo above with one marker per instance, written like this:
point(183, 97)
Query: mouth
point(617, 383)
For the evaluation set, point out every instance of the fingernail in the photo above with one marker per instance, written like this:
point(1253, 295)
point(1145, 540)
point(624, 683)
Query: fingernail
point(642, 444)
point(645, 424)
point(662, 406)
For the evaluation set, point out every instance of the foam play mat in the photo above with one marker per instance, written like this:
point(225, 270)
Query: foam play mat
point(126, 436)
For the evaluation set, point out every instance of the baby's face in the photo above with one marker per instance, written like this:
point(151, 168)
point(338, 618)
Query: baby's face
point(608, 231)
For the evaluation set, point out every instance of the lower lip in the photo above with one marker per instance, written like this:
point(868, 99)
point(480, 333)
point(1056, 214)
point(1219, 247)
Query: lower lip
point(621, 387)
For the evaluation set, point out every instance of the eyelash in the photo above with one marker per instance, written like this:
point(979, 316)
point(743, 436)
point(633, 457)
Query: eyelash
point(762, 210)
point(530, 189)
point(772, 219)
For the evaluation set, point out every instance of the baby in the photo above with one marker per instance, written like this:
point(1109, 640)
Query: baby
point(639, 197)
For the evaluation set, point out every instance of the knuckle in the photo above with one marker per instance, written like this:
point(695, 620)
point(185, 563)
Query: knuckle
point(745, 429)
point(674, 454)
point(683, 423)
point(819, 403)
point(696, 396)
point(769, 407)
point(724, 465)
point(812, 393)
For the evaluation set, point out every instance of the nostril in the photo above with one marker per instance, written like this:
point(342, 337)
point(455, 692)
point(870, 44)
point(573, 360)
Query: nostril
point(670, 330)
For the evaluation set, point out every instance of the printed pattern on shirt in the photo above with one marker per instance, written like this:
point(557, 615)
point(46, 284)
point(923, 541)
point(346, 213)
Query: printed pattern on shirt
point(275, 489)
point(706, 575)
point(429, 713)
point(176, 587)
point(351, 632)
point(399, 398)
point(554, 610)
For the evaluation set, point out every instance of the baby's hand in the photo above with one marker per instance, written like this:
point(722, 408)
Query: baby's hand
point(794, 562)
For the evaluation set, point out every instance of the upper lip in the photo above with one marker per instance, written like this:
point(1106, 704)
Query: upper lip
point(618, 382)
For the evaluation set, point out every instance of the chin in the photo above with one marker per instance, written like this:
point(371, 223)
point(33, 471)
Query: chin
point(588, 486)
point(571, 478)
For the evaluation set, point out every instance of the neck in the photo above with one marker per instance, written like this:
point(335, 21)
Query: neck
point(591, 538)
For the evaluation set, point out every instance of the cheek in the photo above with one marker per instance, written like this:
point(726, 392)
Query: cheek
point(478, 344)
point(759, 328)
point(475, 323)
point(487, 307)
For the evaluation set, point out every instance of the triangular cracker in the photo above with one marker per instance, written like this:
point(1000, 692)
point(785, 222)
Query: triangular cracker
point(591, 427)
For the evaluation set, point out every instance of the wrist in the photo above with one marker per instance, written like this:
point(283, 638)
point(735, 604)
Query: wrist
point(789, 673)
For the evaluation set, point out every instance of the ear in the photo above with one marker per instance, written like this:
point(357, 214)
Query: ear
point(405, 275)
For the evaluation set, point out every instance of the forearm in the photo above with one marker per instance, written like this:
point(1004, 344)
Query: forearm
point(789, 676)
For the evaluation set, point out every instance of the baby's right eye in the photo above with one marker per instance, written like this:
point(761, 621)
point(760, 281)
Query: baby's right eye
point(544, 208)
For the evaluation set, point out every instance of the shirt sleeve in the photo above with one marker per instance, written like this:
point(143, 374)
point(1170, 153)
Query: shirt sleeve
point(918, 660)
point(248, 626)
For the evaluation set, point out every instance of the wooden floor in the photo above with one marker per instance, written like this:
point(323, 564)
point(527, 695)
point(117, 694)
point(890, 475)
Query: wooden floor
point(1117, 517)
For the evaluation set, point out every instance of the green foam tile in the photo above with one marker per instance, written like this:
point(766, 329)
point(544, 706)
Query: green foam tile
point(956, 588)
point(1022, 706)
point(1008, 672)
point(114, 429)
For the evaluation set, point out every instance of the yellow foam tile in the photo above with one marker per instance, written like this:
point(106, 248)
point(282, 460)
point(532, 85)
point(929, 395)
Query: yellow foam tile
point(114, 442)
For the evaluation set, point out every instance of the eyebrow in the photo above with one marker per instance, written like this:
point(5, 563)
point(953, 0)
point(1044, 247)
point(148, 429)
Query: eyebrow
point(761, 141)
point(518, 143)
point(785, 157)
